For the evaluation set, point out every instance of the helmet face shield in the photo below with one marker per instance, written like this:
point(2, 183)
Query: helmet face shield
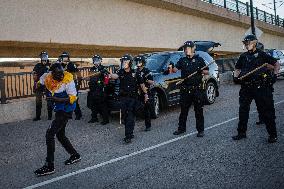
point(139, 63)
point(97, 61)
point(44, 58)
point(125, 64)
point(65, 59)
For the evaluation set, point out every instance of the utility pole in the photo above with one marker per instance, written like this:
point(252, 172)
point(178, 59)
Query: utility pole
point(252, 18)
point(274, 2)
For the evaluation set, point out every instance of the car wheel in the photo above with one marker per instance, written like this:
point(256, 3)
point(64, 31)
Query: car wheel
point(156, 106)
point(211, 91)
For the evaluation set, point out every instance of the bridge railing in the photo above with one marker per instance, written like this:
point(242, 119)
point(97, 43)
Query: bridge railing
point(20, 85)
point(244, 9)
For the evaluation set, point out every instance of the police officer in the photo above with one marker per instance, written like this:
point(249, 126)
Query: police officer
point(145, 95)
point(97, 96)
point(256, 86)
point(39, 90)
point(63, 94)
point(128, 94)
point(72, 68)
point(192, 89)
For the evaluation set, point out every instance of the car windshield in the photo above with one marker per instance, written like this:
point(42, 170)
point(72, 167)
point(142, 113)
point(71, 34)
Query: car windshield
point(156, 61)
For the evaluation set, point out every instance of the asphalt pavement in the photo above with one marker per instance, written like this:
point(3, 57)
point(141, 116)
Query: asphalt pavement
point(155, 159)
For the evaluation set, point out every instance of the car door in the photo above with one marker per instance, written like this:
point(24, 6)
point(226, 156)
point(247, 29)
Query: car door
point(170, 80)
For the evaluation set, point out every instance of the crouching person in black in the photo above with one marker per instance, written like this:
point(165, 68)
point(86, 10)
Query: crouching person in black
point(63, 93)
point(128, 94)
point(97, 96)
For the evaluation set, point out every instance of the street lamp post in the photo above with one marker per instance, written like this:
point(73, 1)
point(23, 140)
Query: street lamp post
point(252, 18)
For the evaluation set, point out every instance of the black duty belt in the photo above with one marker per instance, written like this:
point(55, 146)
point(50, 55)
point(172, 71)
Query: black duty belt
point(256, 83)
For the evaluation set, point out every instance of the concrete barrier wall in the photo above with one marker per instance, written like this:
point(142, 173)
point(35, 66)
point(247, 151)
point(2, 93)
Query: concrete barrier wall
point(23, 109)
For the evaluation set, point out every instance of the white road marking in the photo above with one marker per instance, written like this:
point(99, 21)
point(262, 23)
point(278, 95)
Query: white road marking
point(129, 155)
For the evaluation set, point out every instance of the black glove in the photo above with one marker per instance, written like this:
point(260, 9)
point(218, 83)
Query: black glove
point(237, 80)
point(274, 78)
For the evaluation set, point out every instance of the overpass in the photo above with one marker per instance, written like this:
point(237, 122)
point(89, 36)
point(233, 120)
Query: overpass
point(114, 27)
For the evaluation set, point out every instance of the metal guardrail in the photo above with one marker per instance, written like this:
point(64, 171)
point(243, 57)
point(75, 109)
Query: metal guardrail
point(20, 85)
point(244, 9)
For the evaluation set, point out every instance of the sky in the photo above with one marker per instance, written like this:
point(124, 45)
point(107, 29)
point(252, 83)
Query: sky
point(269, 3)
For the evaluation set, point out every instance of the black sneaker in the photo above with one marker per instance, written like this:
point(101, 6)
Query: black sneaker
point(45, 170)
point(36, 119)
point(200, 134)
point(178, 132)
point(239, 137)
point(93, 120)
point(73, 159)
point(272, 139)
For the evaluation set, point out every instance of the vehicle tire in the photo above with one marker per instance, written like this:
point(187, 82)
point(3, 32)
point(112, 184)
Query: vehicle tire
point(155, 105)
point(211, 91)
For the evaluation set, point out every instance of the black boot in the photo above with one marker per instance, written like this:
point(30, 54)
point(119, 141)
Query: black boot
point(239, 136)
point(179, 132)
point(147, 129)
point(260, 122)
point(200, 134)
point(272, 139)
point(127, 140)
point(78, 117)
point(36, 119)
point(104, 122)
point(93, 120)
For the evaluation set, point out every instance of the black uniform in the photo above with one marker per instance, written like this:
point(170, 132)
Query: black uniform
point(128, 99)
point(258, 87)
point(72, 68)
point(39, 90)
point(145, 75)
point(97, 96)
point(192, 91)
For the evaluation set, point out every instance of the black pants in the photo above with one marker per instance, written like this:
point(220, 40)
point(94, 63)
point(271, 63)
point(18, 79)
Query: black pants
point(146, 110)
point(258, 108)
point(99, 105)
point(39, 95)
point(259, 116)
point(58, 128)
point(77, 111)
point(264, 100)
point(128, 110)
point(188, 97)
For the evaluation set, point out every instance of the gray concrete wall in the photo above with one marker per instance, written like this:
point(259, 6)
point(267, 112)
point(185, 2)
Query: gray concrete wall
point(119, 23)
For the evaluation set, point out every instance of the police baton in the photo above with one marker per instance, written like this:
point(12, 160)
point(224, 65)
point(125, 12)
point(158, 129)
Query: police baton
point(253, 71)
point(194, 73)
point(120, 116)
